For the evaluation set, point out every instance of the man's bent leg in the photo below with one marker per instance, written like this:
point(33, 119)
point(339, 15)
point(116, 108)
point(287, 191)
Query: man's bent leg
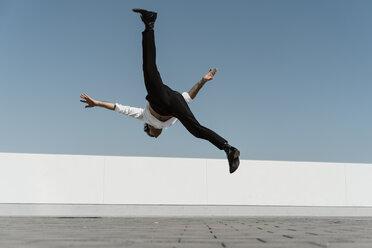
point(199, 131)
point(193, 126)
point(182, 112)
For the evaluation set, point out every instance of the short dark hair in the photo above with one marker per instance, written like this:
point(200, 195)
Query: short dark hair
point(146, 128)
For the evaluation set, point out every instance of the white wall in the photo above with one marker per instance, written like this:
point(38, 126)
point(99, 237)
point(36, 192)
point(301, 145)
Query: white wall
point(78, 179)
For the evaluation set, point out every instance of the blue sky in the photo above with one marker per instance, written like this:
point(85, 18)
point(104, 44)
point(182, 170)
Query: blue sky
point(294, 79)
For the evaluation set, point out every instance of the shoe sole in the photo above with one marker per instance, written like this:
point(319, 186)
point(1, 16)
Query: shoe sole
point(236, 161)
point(138, 10)
point(143, 11)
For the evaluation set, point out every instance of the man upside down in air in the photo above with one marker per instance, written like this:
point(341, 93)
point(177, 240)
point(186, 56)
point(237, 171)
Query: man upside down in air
point(165, 105)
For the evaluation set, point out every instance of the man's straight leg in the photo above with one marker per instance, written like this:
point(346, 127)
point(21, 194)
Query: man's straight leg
point(153, 82)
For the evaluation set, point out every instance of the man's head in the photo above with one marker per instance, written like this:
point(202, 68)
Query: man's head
point(152, 131)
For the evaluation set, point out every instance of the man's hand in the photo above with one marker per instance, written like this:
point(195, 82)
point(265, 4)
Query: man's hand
point(92, 103)
point(209, 75)
point(88, 100)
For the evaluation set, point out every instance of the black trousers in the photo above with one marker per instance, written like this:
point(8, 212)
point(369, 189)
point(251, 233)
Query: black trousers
point(166, 101)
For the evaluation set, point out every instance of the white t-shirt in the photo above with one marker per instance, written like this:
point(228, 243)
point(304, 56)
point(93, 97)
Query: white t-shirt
point(145, 114)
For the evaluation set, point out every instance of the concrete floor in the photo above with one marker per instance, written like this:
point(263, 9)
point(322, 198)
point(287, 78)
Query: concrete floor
point(185, 232)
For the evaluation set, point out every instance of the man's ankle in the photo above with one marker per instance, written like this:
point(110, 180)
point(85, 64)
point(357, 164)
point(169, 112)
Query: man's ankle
point(149, 26)
point(226, 147)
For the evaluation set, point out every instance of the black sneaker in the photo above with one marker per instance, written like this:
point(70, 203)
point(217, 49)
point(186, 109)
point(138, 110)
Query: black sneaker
point(233, 157)
point(148, 17)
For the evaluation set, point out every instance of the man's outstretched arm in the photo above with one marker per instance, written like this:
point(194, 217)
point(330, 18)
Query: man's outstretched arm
point(136, 113)
point(93, 103)
point(209, 76)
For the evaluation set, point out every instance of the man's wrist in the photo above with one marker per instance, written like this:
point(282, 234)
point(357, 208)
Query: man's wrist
point(203, 81)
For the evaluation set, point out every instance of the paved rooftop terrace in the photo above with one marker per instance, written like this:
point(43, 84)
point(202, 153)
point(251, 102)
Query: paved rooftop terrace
point(312, 232)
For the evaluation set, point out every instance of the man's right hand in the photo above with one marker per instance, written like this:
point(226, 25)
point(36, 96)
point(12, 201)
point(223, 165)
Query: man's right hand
point(88, 100)
point(209, 75)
